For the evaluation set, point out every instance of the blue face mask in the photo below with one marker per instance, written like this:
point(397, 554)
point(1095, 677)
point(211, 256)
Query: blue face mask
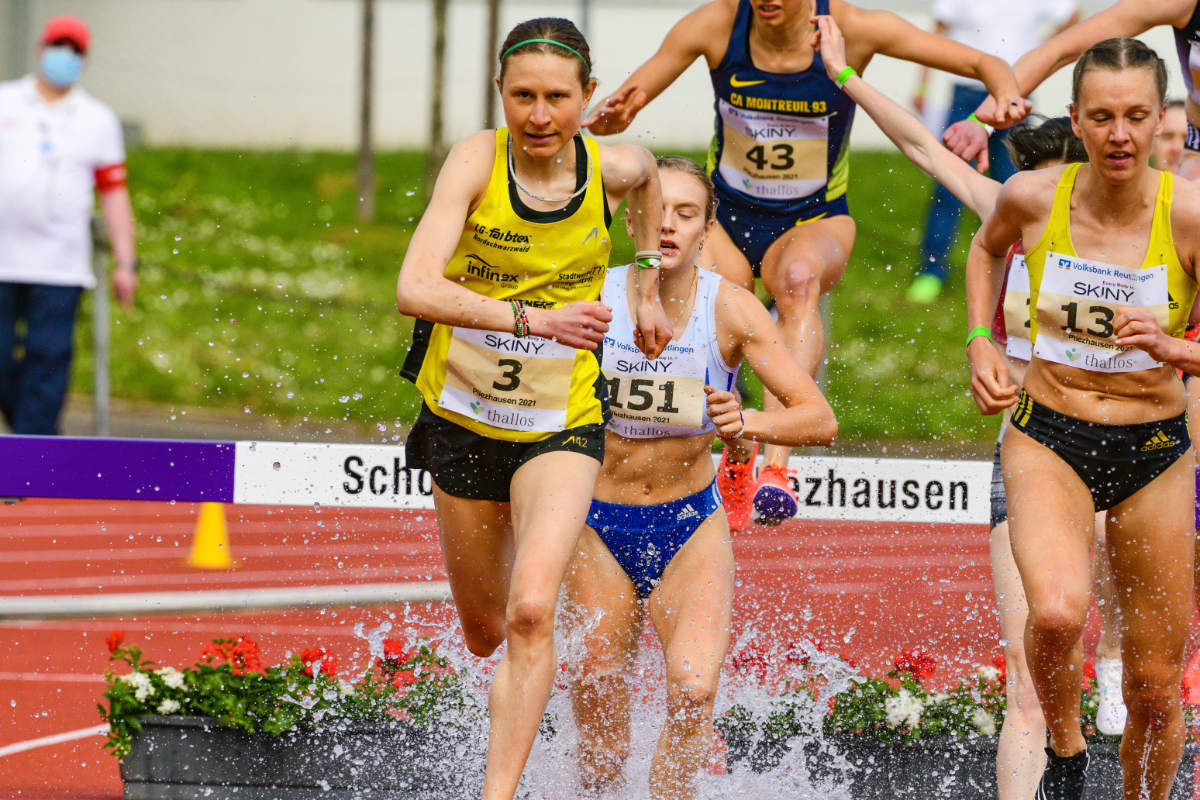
point(61, 66)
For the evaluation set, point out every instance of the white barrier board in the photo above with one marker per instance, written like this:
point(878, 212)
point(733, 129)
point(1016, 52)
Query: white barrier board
point(375, 476)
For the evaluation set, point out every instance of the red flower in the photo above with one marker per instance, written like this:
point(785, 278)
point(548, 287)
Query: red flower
point(1089, 671)
point(752, 658)
point(916, 662)
point(114, 640)
point(404, 677)
point(318, 658)
point(241, 654)
point(395, 654)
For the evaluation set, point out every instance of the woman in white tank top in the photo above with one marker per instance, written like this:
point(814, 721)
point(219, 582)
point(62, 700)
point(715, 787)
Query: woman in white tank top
point(656, 529)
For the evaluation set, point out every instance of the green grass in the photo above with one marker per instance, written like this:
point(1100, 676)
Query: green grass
point(261, 292)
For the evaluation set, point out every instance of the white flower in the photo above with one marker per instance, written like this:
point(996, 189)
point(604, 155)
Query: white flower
point(142, 687)
point(345, 688)
point(172, 677)
point(168, 707)
point(989, 673)
point(904, 709)
point(984, 722)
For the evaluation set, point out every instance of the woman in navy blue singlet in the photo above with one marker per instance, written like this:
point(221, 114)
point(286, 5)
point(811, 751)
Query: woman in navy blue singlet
point(780, 164)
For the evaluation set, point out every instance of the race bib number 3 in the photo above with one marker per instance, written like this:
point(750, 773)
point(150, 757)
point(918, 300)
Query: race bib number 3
point(670, 401)
point(773, 156)
point(1016, 310)
point(517, 384)
point(1076, 307)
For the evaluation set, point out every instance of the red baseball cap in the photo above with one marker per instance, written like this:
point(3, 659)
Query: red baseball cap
point(73, 29)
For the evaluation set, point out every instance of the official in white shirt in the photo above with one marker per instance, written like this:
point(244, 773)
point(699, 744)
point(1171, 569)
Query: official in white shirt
point(59, 147)
point(1007, 31)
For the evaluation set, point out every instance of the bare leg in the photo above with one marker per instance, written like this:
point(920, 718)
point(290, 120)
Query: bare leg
point(601, 605)
point(691, 610)
point(1020, 758)
point(1151, 543)
point(798, 268)
point(550, 498)
point(1111, 624)
point(1050, 522)
point(476, 539)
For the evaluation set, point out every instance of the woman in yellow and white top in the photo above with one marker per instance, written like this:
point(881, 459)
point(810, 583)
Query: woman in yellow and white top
point(508, 263)
point(1112, 247)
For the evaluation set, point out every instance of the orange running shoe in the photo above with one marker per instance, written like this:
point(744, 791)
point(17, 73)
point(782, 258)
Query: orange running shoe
point(774, 500)
point(735, 482)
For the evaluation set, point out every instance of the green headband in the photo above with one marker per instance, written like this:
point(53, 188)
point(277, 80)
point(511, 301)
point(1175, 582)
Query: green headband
point(567, 47)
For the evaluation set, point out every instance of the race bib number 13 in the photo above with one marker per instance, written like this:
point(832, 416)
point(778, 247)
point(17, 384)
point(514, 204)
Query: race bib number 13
point(1076, 306)
point(521, 384)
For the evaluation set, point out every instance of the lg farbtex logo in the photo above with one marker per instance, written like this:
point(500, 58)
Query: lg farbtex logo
point(502, 239)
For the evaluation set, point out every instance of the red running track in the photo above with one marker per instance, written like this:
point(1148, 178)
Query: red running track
point(865, 590)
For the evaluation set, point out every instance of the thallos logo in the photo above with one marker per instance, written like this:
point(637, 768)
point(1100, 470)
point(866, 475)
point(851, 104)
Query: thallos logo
point(481, 269)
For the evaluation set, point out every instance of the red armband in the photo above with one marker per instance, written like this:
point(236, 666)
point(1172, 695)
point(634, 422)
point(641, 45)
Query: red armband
point(110, 177)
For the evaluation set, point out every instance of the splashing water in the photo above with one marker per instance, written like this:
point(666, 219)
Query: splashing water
point(552, 771)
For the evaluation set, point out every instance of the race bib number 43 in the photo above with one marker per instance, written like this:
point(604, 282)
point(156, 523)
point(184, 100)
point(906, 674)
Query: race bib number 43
point(520, 384)
point(1076, 306)
point(773, 156)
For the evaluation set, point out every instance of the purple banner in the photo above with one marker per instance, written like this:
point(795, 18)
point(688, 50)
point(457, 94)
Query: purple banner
point(116, 469)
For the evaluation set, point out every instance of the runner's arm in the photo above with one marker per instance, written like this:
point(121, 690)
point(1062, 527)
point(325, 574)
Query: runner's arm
point(991, 384)
point(688, 40)
point(871, 32)
point(907, 132)
point(630, 171)
point(745, 331)
point(1124, 18)
point(422, 289)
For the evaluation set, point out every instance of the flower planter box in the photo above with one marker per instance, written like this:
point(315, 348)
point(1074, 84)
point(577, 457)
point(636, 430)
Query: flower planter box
point(182, 758)
point(964, 769)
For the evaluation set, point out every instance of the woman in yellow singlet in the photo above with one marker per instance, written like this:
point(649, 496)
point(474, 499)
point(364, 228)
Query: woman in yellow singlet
point(1111, 248)
point(507, 263)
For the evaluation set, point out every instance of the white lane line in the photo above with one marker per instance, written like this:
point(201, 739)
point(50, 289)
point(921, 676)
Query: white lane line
point(58, 738)
point(200, 580)
point(273, 551)
point(125, 604)
point(51, 677)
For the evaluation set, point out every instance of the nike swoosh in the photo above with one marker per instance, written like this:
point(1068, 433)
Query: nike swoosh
point(735, 83)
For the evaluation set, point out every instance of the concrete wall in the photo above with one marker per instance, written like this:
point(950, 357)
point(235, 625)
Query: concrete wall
point(280, 73)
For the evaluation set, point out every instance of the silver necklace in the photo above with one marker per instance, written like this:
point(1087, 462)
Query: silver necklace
point(512, 171)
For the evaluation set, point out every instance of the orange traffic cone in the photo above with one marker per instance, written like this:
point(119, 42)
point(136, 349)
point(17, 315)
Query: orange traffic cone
point(210, 547)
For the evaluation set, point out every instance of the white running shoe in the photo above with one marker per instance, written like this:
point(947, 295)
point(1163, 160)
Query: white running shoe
point(1110, 718)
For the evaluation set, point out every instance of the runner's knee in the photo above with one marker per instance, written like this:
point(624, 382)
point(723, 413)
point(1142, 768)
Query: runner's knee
point(1151, 687)
point(1058, 620)
point(798, 282)
point(482, 637)
point(530, 619)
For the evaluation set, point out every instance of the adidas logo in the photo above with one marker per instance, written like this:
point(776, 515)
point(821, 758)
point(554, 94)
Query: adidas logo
point(1159, 441)
point(687, 512)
